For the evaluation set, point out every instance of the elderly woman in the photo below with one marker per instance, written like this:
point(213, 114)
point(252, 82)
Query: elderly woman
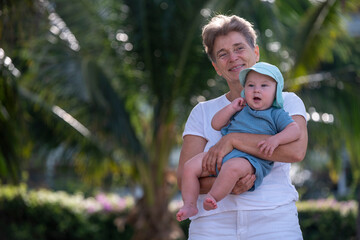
point(269, 212)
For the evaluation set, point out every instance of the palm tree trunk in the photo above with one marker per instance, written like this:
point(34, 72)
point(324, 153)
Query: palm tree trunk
point(151, 217)
point(154, 222)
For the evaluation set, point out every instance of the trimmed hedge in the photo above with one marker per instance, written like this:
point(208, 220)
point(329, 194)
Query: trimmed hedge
point(46, 215)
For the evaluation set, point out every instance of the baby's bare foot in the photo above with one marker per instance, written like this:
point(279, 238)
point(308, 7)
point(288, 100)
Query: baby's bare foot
point(209, 203)
point(185, 212)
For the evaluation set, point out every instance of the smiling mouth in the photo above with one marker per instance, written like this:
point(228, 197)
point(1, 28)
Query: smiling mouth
point(237, 67)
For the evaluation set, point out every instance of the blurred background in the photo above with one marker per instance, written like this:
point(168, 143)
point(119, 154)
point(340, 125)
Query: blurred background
point(94, 95)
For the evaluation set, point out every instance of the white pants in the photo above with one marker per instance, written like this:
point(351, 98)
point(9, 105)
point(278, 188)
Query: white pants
point(272, 224)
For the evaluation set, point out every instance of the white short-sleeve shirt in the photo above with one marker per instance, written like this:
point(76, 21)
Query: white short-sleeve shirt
point(276, 188)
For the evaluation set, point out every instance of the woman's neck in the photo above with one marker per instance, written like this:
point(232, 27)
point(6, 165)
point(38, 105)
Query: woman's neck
point(235, 92)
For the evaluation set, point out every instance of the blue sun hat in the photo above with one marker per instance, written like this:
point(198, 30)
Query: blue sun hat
point(271, 71)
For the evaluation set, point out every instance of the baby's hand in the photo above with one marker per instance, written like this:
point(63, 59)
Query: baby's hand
point(268, 146)
point(238, 104)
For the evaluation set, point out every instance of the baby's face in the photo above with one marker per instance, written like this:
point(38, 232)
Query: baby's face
point(260, 90)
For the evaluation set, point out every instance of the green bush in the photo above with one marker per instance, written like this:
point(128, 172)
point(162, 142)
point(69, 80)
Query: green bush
point(30, 215)
point(47, 215)
point(327, 219)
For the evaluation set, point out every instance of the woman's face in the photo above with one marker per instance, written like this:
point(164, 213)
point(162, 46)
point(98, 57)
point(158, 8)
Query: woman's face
point(233, 54)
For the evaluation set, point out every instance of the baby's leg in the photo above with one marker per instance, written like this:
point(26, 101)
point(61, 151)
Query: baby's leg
point(190, 186)
point(230, 172)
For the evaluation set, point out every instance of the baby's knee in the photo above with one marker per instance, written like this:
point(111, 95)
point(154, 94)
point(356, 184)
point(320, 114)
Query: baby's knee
point(192, 166)
point(240, 166)
point(188, 168)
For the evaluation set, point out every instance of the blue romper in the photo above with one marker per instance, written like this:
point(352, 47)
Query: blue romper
point(269, 122)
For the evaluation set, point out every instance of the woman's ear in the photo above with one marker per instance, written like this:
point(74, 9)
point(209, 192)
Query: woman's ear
point(257, 53)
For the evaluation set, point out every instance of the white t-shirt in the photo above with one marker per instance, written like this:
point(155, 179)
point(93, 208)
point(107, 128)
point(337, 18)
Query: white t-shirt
point(276, 188)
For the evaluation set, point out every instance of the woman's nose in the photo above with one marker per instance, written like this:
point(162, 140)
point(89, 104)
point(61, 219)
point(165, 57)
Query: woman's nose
point(233, 56)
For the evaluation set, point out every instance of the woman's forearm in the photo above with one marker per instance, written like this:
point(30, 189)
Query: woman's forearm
point(241, 186)
point(291, 152)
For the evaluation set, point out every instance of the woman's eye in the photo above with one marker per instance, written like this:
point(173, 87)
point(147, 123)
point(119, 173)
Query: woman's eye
point(238, 49)
point(222, 55)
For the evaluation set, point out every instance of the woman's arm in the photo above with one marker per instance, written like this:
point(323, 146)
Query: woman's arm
point(192, 145)
point(246, 142)
point(291, 152)
point(289, 134)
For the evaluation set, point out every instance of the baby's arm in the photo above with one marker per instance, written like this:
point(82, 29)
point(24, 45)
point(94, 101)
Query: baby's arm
point(222, 117)
point(290, 133)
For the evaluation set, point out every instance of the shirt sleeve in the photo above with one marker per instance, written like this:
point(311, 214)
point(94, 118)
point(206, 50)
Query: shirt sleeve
point(282, 119)
point(195, 122)
point(294, 105)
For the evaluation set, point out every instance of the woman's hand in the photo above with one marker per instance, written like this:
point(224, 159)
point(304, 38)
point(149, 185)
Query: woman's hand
point(213, 158)
point(243, 184)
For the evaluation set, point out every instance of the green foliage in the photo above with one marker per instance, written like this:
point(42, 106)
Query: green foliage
point(338, 84)
point(9, 140)
point(28, 215)
point(327, 219)
point(329, 224)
